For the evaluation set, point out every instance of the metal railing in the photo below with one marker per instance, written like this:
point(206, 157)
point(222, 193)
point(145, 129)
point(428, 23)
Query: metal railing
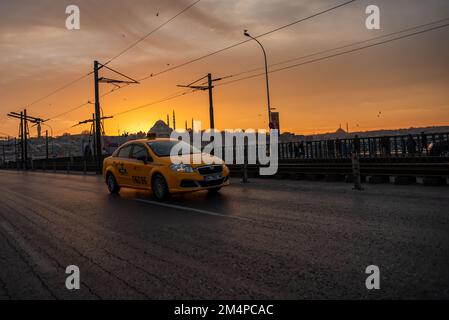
point(368, 147)
point(405, 146)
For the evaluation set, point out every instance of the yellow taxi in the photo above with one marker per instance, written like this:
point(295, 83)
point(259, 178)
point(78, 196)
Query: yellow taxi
point(146, 164)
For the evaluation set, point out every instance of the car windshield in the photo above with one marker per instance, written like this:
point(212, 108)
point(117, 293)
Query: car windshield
point(163, 148)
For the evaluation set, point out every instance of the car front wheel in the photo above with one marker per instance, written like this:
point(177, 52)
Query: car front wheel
point(160, 188)
point(113, 186)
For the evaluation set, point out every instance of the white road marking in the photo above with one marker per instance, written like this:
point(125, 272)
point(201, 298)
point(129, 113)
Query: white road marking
point(174, 206)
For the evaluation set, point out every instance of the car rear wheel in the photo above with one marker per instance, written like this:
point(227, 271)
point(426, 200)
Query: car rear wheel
point(113, 186)
point(160, 188)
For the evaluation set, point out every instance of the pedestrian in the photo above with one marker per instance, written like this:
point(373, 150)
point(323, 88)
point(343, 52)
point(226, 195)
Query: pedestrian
point(290, 150)
point(330, 148)
point(338, 147)
point(385, 146)
point(295, 151)
point(411, 145)
point(356, 144)
point(424, 144)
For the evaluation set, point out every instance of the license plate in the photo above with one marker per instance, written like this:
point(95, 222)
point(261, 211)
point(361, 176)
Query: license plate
point(212, 177)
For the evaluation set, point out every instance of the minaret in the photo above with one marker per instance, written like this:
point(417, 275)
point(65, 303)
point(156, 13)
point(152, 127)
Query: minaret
point(174, 120)
point(168, 120)
point(186, 125)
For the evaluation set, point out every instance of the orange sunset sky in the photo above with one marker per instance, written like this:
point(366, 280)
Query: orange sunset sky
point(396, 85)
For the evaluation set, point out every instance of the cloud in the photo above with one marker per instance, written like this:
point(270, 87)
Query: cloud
point(37, 52)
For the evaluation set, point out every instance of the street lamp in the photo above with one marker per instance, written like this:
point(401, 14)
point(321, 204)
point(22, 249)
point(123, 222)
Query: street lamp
point(246, 33)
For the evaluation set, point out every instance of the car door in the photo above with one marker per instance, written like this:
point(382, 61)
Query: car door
point(121, 166)
point(140, 170)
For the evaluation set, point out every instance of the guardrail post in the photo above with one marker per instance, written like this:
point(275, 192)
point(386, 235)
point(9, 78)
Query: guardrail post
point(356, 171)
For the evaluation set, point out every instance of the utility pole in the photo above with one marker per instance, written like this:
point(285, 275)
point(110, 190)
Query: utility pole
point(174, 120)
point(22, 144)
point(97, 118)
point(15, 150)
point(203, 87)
point(97, 80)
point(94, 136)
point(46, 145)
point(94, 131)
point(23, 132)
point(211, 102)
point(25, 138)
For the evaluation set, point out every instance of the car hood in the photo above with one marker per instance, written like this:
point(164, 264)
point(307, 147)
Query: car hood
point(206, 159)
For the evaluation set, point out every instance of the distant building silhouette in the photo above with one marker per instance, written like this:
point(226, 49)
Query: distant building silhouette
point(161, 129)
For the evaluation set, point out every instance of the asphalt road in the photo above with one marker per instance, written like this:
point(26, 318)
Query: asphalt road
point(268, 239)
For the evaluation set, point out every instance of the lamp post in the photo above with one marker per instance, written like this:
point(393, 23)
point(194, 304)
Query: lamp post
point(246, 33)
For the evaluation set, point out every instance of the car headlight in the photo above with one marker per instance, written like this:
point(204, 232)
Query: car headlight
point(181, 167)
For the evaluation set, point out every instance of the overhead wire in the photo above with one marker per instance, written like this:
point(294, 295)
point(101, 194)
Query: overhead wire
point(212, 53)
point(300, 64)
point(53, 92)
point(152, 75)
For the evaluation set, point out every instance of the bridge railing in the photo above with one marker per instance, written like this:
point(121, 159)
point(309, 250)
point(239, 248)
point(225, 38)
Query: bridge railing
point(67, 164)
point(411, 146)
point(368, 147)
point(420, 145)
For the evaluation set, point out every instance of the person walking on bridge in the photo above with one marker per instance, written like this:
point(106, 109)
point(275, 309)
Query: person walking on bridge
point(424, 144)
point(356, 145)
point(411, 145)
